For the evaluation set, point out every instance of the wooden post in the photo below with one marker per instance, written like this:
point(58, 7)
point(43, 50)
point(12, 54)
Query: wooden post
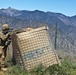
point(56, 35)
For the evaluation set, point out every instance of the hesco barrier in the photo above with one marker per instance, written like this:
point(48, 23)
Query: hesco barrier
point(32, 48)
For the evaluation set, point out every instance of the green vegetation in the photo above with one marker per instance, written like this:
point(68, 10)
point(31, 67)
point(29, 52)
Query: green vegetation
point(67, 67)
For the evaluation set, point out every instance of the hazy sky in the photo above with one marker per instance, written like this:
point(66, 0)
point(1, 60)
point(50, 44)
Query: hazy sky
point(67, 7)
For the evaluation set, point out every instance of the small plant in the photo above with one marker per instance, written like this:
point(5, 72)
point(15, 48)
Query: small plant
point(56, 70)
point(40, 70)
point(16, 70)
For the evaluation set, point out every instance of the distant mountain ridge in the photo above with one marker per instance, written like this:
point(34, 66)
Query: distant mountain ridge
point(47, 17)
point(23, 18)
point(67, 24)
point(38, 15)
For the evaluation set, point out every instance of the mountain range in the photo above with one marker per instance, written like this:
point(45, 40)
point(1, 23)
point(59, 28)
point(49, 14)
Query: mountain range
point(23, 18)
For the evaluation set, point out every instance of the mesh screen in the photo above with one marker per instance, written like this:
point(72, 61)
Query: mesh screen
point(35, 48)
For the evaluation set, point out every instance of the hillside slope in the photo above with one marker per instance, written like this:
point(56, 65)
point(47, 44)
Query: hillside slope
point(62, 42)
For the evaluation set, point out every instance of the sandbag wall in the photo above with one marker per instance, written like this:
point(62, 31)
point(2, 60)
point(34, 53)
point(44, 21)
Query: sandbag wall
point(32, 48)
